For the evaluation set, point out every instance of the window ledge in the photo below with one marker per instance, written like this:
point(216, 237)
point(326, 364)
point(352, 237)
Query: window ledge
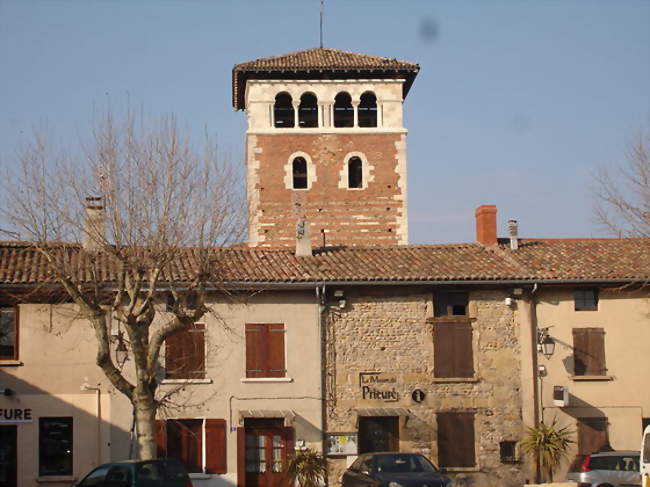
point(187, 381)
point(4, 362)
point(200, 476)
point(596, 378)
point(462, 469)
point(265, 379)
point(52, 479)
point(447, 380)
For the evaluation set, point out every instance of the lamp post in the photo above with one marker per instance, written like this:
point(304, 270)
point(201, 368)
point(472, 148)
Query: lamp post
point(121, 352)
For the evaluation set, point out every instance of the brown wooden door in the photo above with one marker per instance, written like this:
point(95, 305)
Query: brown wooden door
point(378, 433)
point(592, 435)
point(267, 445)
point(8, 458)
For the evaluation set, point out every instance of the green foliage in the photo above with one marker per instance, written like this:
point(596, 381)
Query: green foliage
point(549, 444)
point(308, 467)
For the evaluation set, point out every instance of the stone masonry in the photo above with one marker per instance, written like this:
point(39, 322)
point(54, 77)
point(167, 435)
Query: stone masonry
point(390, 331)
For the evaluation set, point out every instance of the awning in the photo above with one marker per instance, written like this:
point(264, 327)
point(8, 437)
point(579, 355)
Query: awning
point(287, 414)
point(383, 412)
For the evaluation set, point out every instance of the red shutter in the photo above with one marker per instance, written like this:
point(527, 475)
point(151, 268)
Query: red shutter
point(580, 351)
point(255, 356)
point(596, 344)
point(161, 438)
point(215, 445)
point(275, 364)
point(241, 457)
point(196, 353)
point(185, 353)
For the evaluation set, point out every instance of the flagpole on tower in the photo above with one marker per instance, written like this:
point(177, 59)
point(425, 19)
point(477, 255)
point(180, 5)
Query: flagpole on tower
point(321, 22)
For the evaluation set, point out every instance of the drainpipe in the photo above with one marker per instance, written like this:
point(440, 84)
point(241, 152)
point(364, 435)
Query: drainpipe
point(536, 389)
point(98, 447)
point(322, 333)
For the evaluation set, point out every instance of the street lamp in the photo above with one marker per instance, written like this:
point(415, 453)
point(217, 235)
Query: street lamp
point(121, 352)
point(545, 342)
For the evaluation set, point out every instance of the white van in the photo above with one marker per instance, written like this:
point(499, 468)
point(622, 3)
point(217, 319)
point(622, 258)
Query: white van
point(645, 458)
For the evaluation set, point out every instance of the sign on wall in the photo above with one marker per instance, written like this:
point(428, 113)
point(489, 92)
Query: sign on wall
point(378, 386)
point(16, 415)
point(341, 443)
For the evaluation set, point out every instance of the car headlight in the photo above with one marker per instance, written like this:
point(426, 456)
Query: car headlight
point(394, 484)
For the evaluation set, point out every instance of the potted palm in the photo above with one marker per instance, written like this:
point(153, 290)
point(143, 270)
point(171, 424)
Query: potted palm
point(549, 445)
point(307, 467)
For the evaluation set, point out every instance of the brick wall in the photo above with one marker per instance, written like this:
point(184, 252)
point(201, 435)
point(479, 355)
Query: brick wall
point(387, 331)
point(374, 215)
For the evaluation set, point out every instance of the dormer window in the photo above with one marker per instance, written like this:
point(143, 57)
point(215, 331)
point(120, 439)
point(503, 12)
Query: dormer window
point(368, 110)
point(283, 113)
point(355, 173)
point(343, 110)
point(299, 173)
point(308, 111)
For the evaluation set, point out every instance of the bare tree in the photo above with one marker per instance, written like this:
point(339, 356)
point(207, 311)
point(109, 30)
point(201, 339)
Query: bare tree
point(151, 210)
point(623, 198)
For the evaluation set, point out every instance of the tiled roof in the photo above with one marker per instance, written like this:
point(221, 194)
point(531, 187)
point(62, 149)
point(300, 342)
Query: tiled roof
point(315, 61)
point(626, 259)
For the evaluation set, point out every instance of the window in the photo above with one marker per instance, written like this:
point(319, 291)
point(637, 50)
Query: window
point(54, 446)
point(185, 354)
point(508, 451)
point(283, 114)
point(450, 304)
point(8, 333)
point(592, 435)
point(183, 439)
point(456, 439)
point(589, 351)
point(355, 173)
point(308, 111)
point(585, 299)
point(299, 173)
point(452, 336)
point(343, 110)
point(265, 350)
point(368, 110)
point(378, 433)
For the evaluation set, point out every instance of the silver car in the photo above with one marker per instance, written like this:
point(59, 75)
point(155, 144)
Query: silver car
point(606, 469)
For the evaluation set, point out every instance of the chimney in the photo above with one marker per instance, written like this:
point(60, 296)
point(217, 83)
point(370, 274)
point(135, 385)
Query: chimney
point(486, 224)
point(513, 231)
point(303, 239)
point(95, 224)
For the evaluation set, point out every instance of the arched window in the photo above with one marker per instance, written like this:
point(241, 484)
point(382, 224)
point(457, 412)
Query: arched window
point(355, 172)
point(368, 110)
point(343, 110)
point(308, 111)
point(283, 111)
point(299, 172)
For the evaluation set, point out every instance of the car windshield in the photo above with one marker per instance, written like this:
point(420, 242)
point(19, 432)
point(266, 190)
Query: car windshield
point(403, 464)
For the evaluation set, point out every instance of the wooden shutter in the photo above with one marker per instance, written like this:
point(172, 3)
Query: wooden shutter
point(215, 445)
point(161, 438)
point(265, 350)
point(589, 351)
point(241, 457)
point(185, 353)
point(456, 439)
point(452, 349)
point(275, 362)
point(592, 435)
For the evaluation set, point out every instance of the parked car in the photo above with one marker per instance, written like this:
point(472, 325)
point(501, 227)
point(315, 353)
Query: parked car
point(606, 469)
point(645, 457)
point(394, 470)
point(165, 472)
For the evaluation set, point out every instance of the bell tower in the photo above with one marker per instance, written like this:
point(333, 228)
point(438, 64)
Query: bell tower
point(325, 144)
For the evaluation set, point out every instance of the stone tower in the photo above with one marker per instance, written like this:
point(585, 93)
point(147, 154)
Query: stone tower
point(326, 146)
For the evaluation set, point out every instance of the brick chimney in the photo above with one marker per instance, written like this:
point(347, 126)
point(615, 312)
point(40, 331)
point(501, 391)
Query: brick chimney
point(486, 224)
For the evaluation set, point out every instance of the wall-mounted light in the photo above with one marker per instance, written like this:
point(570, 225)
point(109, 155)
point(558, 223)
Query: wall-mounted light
point(339, 295)
point(545, 342)
point(121, 352)
point(7, 392)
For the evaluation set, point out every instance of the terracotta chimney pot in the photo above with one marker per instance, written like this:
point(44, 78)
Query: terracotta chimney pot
point(486, 225)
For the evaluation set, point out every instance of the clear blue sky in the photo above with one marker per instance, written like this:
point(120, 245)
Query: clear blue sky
point(516, 104)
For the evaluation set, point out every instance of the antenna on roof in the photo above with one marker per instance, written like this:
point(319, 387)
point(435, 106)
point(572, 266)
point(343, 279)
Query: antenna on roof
point(322, 2)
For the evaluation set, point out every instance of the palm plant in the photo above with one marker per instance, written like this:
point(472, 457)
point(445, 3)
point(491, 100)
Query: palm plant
point(308, 467)
point(549, 445)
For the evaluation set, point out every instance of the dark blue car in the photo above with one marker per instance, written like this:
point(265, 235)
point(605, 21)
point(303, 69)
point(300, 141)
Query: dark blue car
point(164, 472)
point(394, 470)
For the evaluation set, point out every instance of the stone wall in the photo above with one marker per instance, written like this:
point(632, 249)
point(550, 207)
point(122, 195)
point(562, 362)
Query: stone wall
point(387, 331)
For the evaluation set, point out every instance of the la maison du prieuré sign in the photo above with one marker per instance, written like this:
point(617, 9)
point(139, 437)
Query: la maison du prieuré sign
point(378, 386)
